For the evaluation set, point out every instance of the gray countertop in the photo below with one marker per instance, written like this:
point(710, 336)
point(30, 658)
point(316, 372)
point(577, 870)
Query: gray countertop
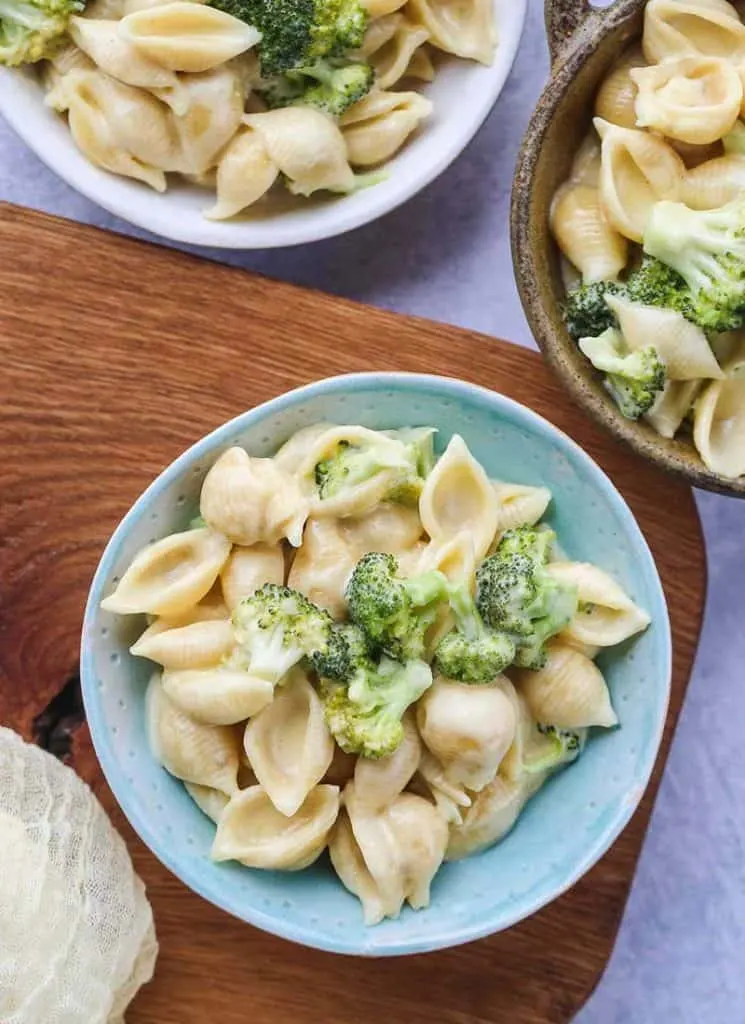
point(680, 955)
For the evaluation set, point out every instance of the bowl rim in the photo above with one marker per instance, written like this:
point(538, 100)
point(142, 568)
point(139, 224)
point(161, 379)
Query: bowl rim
point(126, 798)
point(113, 193)
point(676, 457)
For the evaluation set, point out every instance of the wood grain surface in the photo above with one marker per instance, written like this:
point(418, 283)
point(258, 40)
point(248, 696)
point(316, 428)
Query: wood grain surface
point(116, 355)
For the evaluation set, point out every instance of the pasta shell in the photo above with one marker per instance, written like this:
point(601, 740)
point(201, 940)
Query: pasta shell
point(463, 27)
point(217, 696)
point(193, 646)
point(637, 170)
point(245, 173)
point(377, 126)
point(675, 28)
point(251, 830)
point(247, 569)
point(568, 692)
point(171, 575)
point(389, 45)
point(606, 615)
point(519, 504)
point(422, 836)
point(616, 96)
point(719, 422)
point(190, 750)
point(211, 802)
point(401, 848)
point(307, 147)
point(469, 729)
point(669, 411)
point(118, 128)
point(377, 783)
point(363, 497)
point(210, 108)
point(584, 234)
point(714, 183)
point(683, 346)
point(693, 99)
point(187, 36)
point(289, 745)
point(100, 40)
point(492, 815)
point(458, 496)
point(252, 501)
point(353, 872)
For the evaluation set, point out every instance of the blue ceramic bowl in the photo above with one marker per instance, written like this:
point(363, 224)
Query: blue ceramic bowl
point(564, 830)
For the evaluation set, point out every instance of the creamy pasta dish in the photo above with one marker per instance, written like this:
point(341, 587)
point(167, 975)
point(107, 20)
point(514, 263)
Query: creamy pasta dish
point(365, 648)
point(244, 97)
point(651, 223)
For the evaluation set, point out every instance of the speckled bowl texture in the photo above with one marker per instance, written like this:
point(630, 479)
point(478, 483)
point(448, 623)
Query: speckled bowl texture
point(565, 829)
point(584, 43)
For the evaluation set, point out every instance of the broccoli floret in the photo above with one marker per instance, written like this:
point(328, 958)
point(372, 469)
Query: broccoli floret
point(395, 613)
point(347, 648)
point(559, 747)
point(585, 311)
point(533, 541)
point(471, 653)
point(326, 85)
point(275, 628)
point(353, 464)
point(364, 716)
point(653, 283)
point(634, 379)
point(33, 30)
point(707, 249)
point(296, 33)
point(516, 595)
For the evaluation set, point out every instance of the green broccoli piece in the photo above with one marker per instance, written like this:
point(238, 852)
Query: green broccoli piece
point(347, 648)
point(33, 30)
point(516, 595)
point(585, 311)
point(707, 249)
point(653, 283)
point(326, 85)
point(559, 747)
point(471, 653)
point(297, 33)
point(395, 613)
point(276, 628)
point(635, 380)
point(364, 716)
point(354, 464)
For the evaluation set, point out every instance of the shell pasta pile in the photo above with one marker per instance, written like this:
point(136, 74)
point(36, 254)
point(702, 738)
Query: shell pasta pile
point(652, 218)
point(246, 98)
point(366, 648)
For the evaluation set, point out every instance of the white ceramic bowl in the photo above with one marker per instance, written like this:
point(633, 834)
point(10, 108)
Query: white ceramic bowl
point(463, 93)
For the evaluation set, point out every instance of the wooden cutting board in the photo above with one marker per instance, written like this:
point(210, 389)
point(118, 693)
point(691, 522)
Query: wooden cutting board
point(117, 355)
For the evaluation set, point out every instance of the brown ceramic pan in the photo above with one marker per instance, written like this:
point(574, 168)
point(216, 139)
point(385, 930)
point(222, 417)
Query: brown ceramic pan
point(584, 42)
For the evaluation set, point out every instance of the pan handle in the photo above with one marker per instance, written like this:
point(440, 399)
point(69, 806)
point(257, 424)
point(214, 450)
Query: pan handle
point(563, 18)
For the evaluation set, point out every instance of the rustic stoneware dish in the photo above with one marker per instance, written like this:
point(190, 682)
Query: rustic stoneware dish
point(584, 42)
